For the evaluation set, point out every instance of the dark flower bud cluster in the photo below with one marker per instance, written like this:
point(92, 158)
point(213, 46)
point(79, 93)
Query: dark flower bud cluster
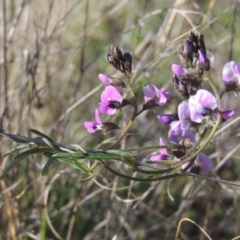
point(120, 61)
point(187, 79)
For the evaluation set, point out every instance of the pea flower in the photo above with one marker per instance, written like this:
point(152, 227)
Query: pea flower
point(154, 97)
point(107, 80)
point(231, 75)
point(199, 105)
point(176, 133)
point(184, 114)
point(163, 153)
point(111, 101)
point(92, 127)
point(202, 164)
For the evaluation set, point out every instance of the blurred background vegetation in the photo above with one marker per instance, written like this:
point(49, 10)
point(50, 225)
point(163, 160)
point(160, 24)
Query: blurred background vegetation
point(51, 55)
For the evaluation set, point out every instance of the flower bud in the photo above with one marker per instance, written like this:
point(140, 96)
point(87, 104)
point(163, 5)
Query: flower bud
point(113, 61)
point(168, 118)
point(128, 62)
point(203, 61)
point(231, 76)
point(108, 126)
point(116, 52)
point(108, 80)
point(178, 70)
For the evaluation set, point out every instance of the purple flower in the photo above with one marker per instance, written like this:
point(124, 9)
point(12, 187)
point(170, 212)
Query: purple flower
point(184, 114)
point(202, 164)
point(167, 118)
point(226, 114)
point(200, 103)
point(177, 133)
point(178, 70)
point(92, 127)
point(155, 95)
point(107, 80)
point(231, 75)
point(104, 79)
point(163, 153)
point(111, 101)
point(231, 70)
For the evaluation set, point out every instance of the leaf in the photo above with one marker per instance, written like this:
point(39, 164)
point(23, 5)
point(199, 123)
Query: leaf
point(91, 176)
point(98, 156)
point(46, 166)
point(20, 147)
point(74, 164)
point(19, 158)
point(41, 134)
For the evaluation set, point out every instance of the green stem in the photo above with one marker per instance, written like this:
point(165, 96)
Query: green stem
point(139, 179)
point(130, 123)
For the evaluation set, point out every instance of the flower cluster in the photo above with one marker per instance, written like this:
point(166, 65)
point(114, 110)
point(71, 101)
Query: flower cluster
point(200, 110)
point(111, 98)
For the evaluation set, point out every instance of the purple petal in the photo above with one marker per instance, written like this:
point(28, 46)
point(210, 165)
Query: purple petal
point(111, 94)
point(104, 108)
point(206, 99)
point(91, 127)
point(159, 157)
point(97, 116)
point(167, 118)
point(227, 114)
point(178, 70)
point(202, 57)
point(163, 150)
point(184, 114)
point(104, 78)
point(228, 73)
point(196, 110)
point(148, 93)
point(204, 162)
point(177, 133)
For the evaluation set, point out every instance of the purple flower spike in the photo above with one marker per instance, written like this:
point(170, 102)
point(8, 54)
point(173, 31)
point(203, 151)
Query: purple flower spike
point(104, 78)
point(167, 118)
point(200, 103)
point(93, 127)
point(202, 164)
point(158, 96)
point(178, 70)
point(163, 153)
point(231, 75)
point(111, 101)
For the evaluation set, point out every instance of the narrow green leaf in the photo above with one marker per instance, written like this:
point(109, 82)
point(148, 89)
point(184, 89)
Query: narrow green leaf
point(98, 156)
point(91, 176)
point(74, 164)
point(41, 134)
point(81, 166)
point(19, 158)
point(46, 166)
